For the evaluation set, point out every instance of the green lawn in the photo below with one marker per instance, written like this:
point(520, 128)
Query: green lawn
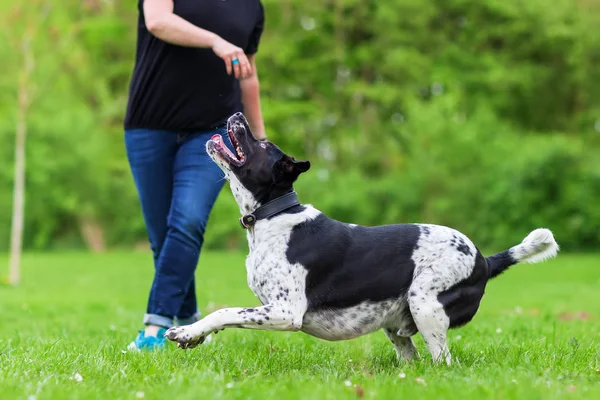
point(76, 313)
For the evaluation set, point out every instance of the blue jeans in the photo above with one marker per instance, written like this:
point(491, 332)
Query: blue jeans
point(177, 184)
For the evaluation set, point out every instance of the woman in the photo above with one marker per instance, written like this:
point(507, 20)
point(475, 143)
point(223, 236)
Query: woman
point(194, 68)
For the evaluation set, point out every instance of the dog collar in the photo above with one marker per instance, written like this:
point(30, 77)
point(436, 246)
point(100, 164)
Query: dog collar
point(269, 209)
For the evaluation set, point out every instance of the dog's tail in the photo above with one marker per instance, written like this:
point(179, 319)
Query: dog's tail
point(538, 246)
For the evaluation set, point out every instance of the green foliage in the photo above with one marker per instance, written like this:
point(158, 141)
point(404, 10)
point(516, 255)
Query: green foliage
point(480, 115)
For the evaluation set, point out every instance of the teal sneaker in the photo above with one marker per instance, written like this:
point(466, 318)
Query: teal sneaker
point(143, 342)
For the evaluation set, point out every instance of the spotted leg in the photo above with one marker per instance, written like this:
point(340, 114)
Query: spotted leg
point(268, 317)
point(405, 348)
point(430, 317)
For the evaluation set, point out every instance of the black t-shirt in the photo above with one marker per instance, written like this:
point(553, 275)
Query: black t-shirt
point(185, 89)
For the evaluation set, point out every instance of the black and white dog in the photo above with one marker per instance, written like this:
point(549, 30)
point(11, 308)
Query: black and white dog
point(338, 281)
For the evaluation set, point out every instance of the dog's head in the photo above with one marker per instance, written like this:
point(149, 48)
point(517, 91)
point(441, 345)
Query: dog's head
point(258, 171)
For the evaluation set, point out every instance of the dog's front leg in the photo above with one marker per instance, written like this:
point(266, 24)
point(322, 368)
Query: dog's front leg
point(268, 317)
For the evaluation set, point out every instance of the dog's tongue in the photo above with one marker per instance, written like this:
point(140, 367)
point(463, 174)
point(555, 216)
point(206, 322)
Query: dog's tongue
point(216, 137)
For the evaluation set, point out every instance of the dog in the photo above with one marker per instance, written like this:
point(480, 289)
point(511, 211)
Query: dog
point(337, 281)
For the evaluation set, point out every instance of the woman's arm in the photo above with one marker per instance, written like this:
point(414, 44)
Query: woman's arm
point(171, 28)
point(251, 100)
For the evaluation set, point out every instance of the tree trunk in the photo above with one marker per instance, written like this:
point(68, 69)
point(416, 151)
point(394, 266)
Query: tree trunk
point(93, 234)
point(18, 214)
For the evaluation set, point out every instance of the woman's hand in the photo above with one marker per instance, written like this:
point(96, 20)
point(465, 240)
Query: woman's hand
point(234, 57)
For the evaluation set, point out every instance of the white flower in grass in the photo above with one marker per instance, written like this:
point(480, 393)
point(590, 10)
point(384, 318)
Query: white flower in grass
point(229, 385)
point(77, 377)
point(347, 383)
point(31, 397)
point(457, 337)
point(401, 375)
point(139, 395)
point(498, 330)
point(518, 310)
point(421, 381)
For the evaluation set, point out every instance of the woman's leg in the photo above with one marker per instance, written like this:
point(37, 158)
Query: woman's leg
point(188, 313)
point(197, 182)
point(151, 156)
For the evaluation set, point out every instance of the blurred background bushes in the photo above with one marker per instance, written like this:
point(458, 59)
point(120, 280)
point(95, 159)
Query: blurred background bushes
point(482, 115)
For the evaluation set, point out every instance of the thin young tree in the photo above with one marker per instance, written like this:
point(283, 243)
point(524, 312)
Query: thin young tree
point(24, 26)
point(24, 96)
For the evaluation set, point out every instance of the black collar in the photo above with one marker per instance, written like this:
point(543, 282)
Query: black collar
point(269, 209)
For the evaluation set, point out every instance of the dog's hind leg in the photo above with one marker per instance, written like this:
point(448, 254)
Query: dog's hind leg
point(430, 317)
point(405, 348)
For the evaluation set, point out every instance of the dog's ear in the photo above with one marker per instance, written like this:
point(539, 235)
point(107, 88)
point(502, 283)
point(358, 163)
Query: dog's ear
point(296, 166)
point(288, 169)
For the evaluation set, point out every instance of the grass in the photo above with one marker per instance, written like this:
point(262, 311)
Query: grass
point(76, 313)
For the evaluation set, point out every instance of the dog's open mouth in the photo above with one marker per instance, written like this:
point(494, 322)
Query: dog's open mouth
point(223, 151)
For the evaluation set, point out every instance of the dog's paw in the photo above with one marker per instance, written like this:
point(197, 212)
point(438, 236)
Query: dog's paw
point(184, 338)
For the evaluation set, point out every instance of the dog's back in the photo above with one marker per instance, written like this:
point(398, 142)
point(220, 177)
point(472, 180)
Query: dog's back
point(361, 263)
